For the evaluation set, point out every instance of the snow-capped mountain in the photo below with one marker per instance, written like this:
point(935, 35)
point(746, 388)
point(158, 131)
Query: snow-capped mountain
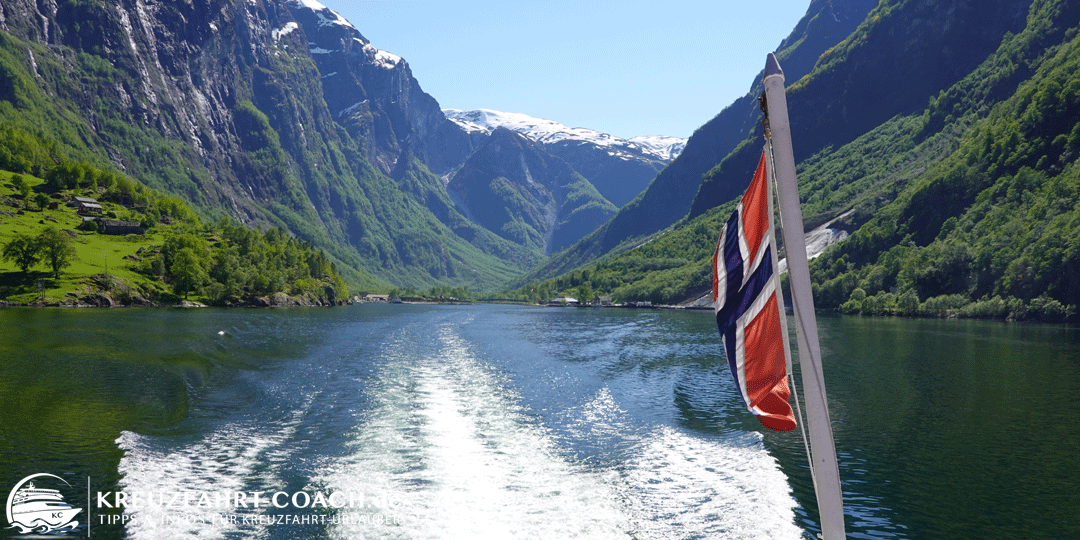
point(549, 132)
point(669, 147)
point(373, 94)
point(619, 168)
point(515, 188)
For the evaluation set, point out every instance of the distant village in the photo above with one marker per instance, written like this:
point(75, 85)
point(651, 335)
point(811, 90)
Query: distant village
point(90, 210)
point(562, 301)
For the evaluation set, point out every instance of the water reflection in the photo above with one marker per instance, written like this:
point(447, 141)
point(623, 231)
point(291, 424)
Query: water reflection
point(606, 423)
point(949, 429)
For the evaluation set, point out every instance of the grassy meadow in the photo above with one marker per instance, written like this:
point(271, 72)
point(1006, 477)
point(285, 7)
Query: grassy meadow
point(95, 253)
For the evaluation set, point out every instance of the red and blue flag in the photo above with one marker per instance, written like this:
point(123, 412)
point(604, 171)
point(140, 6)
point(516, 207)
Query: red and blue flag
point(748, 307)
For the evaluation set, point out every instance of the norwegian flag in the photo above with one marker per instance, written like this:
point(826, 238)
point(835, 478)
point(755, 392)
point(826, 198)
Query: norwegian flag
point(748, 307)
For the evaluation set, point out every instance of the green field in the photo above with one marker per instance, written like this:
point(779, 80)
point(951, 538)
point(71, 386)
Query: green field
point(95, 253)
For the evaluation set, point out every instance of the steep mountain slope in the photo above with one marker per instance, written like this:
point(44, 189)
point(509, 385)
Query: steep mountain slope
point(966, 207)
point(669, 196)
point(373, 94)
point(619, 168)
point(874, 74)
point(223, 104)
point(992, 228)
point(510, 185)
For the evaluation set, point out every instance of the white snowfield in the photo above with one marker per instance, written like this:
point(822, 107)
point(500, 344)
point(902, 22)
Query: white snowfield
point(548, 131)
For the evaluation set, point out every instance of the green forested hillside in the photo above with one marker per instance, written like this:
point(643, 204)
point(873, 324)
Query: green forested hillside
point(53, 111)
point(903, 53)
point(967, 207)
point(161, 253)
point(206, 102)
point(996, 222)
point(670, 195)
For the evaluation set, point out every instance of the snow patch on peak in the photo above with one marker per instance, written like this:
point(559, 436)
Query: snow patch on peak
point(284, 31)
point(661, 144)
point(487, 120)
point(326, 15)
point(383, 59)
point(548, 131)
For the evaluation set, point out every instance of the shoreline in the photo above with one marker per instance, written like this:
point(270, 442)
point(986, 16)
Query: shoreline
point(276, 300)
point(264, 303)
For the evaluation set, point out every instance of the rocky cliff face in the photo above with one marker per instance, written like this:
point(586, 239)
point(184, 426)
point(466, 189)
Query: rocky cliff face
point(172, 73)
point(280, 113)
point(373, 94)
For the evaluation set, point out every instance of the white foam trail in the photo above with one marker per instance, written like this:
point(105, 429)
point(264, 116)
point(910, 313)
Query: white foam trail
point(694, 488)
point(457, 458)
point(228, 460)
point(448, 453)
point(682, 486)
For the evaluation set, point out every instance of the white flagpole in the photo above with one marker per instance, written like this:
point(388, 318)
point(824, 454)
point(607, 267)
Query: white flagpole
point(823, 451)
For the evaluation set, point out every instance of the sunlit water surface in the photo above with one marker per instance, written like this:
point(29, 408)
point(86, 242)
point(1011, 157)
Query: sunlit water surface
point(519, 422)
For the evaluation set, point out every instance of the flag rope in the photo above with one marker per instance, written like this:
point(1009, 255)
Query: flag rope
point(783, 317)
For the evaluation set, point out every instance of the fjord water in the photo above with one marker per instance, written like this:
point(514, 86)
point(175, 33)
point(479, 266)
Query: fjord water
point(519, 422)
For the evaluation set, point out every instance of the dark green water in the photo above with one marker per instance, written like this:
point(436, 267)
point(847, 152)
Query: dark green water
point(956, 429)
point(513, 422)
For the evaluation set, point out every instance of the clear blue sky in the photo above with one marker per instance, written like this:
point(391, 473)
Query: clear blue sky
point(624, 67)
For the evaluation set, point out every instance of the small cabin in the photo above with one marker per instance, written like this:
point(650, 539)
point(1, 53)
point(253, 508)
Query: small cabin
point(115, 226)
point(85, 205)
point(89, 208)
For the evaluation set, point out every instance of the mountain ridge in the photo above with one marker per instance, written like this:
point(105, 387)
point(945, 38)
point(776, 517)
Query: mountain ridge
point(670, 195)
point(514, 188)
point(222, 103)
point(548, 131)
point(963, 207)
point(619, 168)
point(279, 113)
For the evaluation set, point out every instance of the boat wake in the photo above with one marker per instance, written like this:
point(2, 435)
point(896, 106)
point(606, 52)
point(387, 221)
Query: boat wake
point(449, 452)
point(429, 433)
point(239, 457)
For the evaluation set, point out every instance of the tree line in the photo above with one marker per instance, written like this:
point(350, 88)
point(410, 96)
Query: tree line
point(232, 264)
point(53, 247)
point(225, 261)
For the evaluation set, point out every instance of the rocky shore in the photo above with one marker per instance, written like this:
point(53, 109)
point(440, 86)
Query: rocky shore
point(106, 291)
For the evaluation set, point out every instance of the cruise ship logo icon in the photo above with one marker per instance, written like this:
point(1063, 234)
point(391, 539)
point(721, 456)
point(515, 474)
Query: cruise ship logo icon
point(34, 509)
